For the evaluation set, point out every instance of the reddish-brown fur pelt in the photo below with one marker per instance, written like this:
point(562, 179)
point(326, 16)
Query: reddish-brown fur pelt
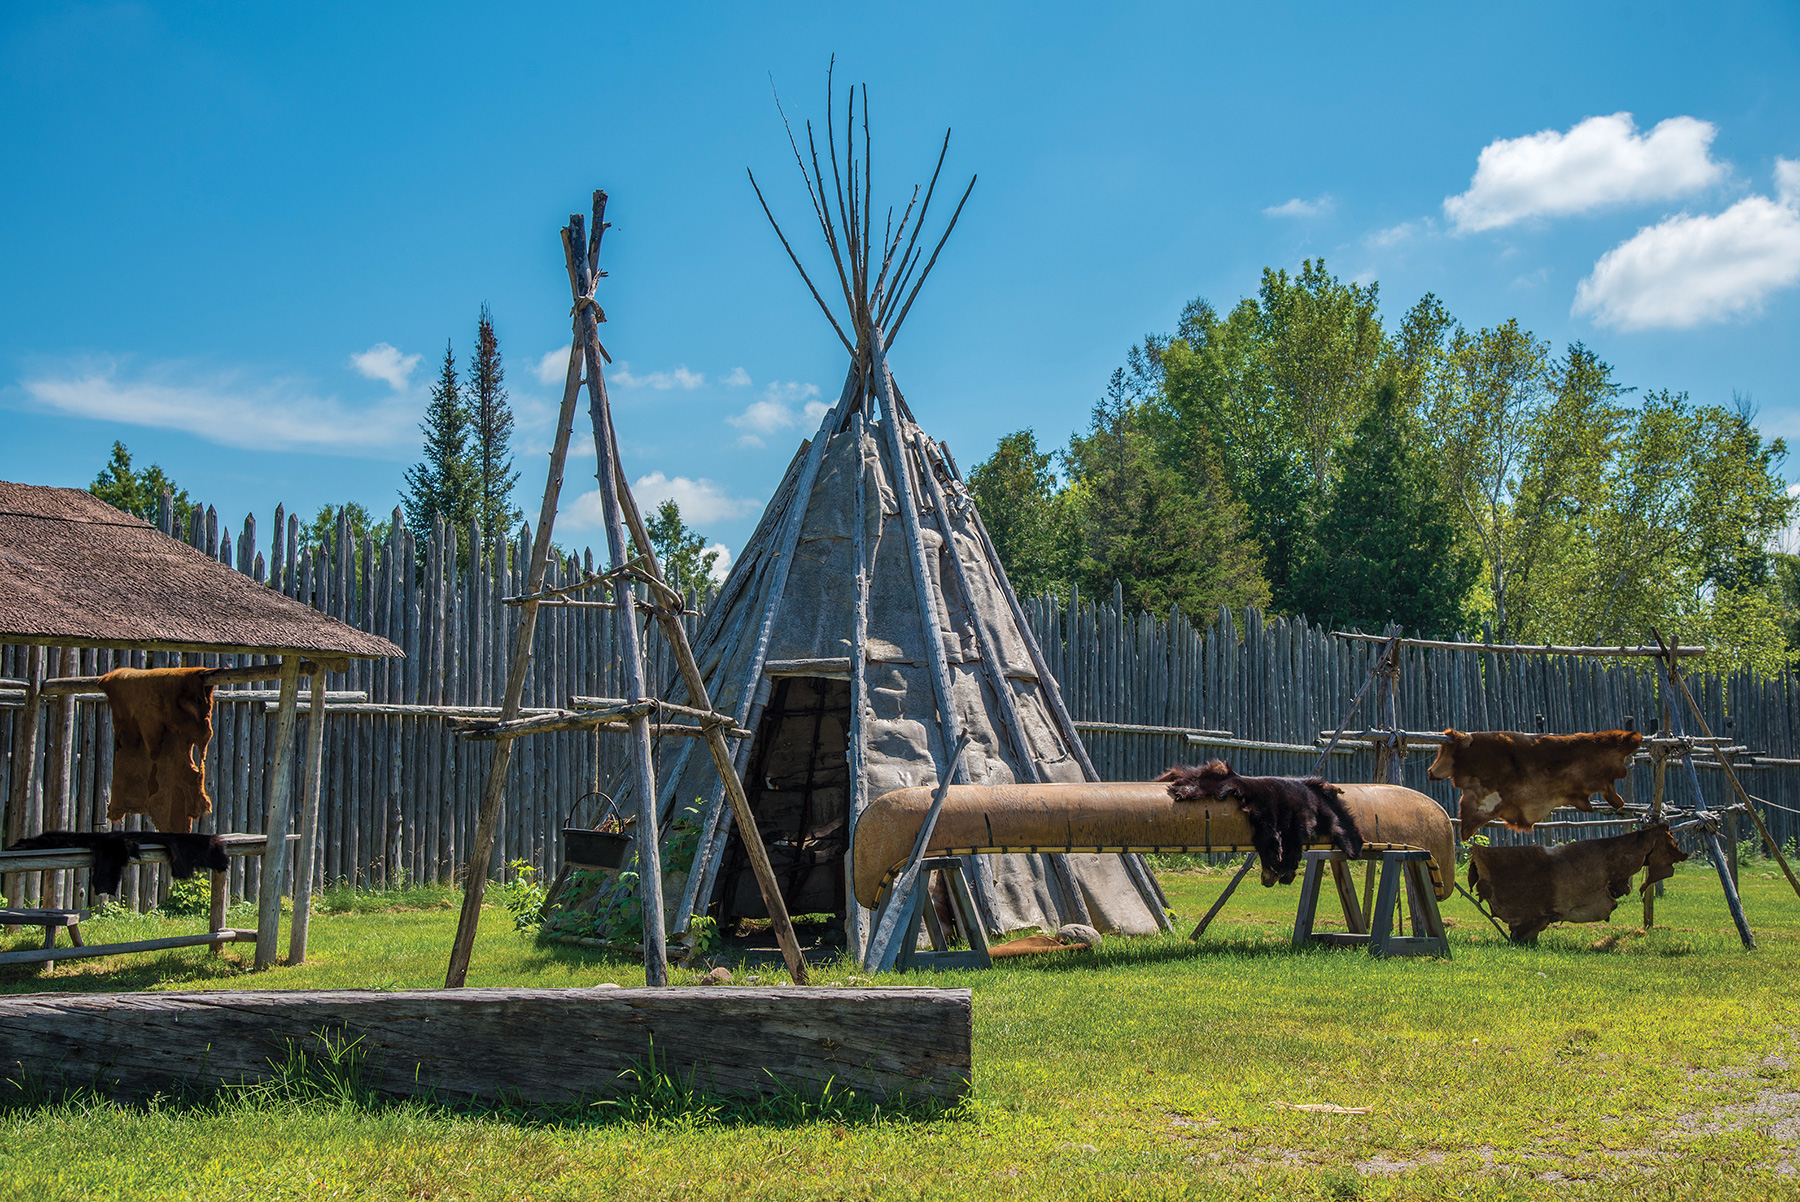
point(1519, 778)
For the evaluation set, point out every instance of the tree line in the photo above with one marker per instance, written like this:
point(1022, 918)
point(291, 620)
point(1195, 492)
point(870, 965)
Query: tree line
point(465, 475)
point(1296, 454)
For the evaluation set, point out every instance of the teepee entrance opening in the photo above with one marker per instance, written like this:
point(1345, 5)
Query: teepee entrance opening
point(798, 784)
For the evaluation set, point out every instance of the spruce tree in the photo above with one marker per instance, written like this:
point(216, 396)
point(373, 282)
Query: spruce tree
point(138, 493)
point(492, 422)
point(443, 485)
point(1388, 546)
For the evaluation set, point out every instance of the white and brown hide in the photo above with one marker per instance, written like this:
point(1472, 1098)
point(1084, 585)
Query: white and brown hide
point(1528, 888)
point(1519, 778)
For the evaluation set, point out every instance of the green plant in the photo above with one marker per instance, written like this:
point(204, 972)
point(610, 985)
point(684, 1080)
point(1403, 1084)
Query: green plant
point(683, 839)
point(188, 898)
point(703, 934)
point(523, 896)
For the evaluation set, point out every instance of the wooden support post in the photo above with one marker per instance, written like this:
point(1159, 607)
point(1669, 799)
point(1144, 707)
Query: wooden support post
point(493, 790)
point(1237, 878)
point(987, 643)
point(606, 455)
point(24, 766)
point(278, 817)
point(59, 793)
point(1773, 847)
point(890, 921)
point(675, 635)
point(217, 904)
point(1726, 878)
point(856, 919)
point(306, 857)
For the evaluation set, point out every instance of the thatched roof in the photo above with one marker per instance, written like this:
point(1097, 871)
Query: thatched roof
point(75, 572)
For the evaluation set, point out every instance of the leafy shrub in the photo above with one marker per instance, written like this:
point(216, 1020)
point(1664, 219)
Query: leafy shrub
point(189, 898)
point(523, 896)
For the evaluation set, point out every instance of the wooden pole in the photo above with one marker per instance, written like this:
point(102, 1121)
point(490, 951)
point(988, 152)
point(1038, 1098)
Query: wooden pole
point(675, 635)
point(306, 857)
point(494, 789)
point(1732, 901)
point(1743, 794)
point(884, 944)
point(58, 890)
point(24, 763)
point(856, 919)
point(278, 817)
point(949, 724)
point(988, 645)
point(606, 454)
point(1237, 879)
point(749, 706)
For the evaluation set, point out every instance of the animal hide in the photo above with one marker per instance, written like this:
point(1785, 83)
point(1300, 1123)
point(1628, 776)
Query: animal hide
point(1286, 813)
point(162, 722)
point(1520, 778)
point(1528, 888)
point(112, 850)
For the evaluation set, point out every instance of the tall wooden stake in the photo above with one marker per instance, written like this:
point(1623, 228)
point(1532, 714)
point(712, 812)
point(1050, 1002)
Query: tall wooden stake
point(606, 453)
point(306, 858)
point(675, 635)
point(475, 875)
point(279, 816)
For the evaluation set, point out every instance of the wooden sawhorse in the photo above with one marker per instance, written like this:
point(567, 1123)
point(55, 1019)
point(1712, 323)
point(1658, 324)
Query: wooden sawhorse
point(1376, 930)
point(967, 918)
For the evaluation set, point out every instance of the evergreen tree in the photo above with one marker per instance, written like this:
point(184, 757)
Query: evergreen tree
point(491, 423)
point(1015, 492)
point(138, 493)
point(1388, 545)
point(681, 550)
point(443, 485)
point(1169, 534)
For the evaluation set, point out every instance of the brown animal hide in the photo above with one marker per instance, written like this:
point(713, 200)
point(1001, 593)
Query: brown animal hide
point(1528, 888)
point(162, 722)
point(1285, 812)
point(1520, 778)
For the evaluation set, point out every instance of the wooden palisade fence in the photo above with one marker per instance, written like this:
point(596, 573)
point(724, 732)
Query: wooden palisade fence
point(401, 791)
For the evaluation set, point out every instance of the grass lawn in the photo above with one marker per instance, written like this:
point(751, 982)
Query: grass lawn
point(1604, 1062)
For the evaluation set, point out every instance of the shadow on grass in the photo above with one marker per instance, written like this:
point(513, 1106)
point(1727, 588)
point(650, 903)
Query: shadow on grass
point(137, 973)
point(330, 1074)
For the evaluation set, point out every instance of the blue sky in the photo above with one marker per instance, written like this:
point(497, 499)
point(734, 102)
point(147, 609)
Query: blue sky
point(226, 230)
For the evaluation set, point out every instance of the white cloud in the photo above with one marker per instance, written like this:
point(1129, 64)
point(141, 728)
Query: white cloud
point(739, 378)
point(722, 565)
point(1787, 181)
point(384, 362)
point(662, 381)
point(1599, 163)
point(231, 408)
point(702, 502)
point(775, 411)
point(1394, 235)
point(1318, 207)
point(553, 368)
point(1689, 270)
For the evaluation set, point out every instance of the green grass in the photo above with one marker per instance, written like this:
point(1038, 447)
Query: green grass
point(1601, 1063)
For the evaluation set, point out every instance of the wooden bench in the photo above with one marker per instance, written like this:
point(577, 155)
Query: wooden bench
point(80, 857)
point(49, 920)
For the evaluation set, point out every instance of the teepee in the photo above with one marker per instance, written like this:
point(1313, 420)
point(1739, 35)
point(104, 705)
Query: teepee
point(868, 623)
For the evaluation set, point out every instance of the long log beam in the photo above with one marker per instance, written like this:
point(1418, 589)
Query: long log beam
point(535, 1045)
